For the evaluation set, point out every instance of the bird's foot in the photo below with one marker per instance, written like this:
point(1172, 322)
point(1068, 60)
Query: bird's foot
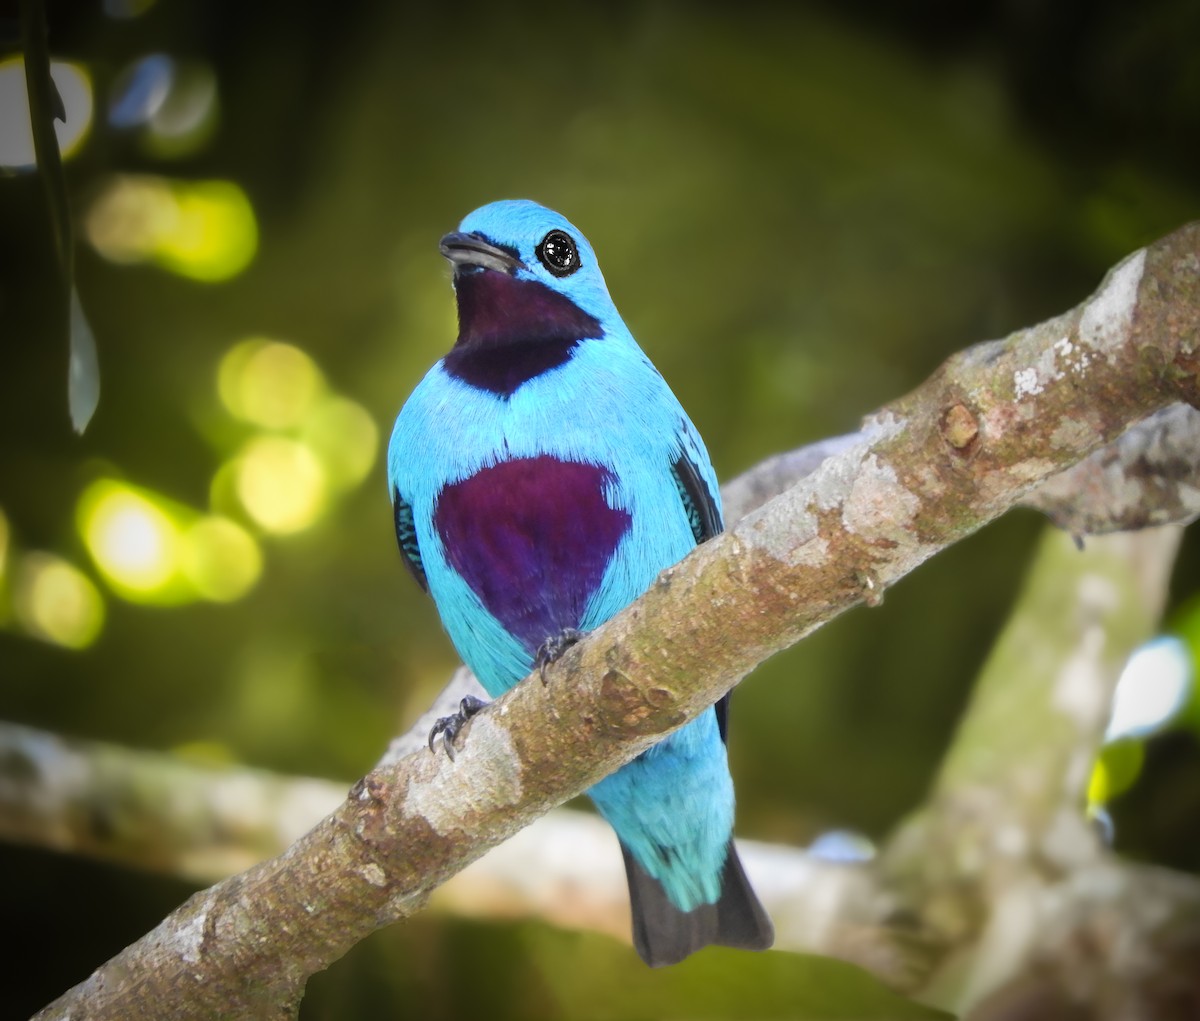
point(553, 647)
point(450, 726)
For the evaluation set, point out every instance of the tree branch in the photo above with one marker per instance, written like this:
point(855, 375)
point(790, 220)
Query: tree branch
point(990, 425)
point(1001, 864)
point(1150, 476)
point(150, 810)
point(158, 812)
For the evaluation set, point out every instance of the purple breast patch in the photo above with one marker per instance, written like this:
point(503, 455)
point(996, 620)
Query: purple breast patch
point(532, 538)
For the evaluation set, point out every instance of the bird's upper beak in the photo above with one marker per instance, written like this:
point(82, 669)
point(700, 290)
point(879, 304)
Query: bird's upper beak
point(472, 250)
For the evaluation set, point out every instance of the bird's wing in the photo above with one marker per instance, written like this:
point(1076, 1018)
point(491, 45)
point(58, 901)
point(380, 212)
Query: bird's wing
point(701, 505)
point(406, 536)
point(704, 514)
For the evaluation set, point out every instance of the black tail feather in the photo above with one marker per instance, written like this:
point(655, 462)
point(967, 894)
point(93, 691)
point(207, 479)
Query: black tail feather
point(662, 934)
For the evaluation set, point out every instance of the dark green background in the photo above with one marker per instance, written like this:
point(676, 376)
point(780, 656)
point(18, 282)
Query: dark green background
point(800, 212)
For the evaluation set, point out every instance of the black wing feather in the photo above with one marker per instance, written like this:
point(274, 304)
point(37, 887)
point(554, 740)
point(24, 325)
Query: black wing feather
point(406, 536)
point(703, 510)
point(704, 513)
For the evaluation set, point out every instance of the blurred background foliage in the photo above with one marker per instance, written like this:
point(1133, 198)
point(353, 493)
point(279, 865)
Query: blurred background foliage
point(800, 211)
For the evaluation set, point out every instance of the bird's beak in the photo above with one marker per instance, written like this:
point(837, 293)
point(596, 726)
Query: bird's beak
point(465, 250)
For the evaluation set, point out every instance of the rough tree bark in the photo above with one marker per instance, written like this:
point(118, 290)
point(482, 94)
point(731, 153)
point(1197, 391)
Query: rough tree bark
point(991, 424)
point(1000, 867)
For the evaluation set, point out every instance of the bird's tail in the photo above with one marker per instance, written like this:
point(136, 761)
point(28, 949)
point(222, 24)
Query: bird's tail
point(662, 934)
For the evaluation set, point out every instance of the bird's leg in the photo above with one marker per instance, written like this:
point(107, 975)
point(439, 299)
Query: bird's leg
point(450, 726)
point(553, 647)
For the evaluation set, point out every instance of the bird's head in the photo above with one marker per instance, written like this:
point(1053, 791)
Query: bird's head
point(523, 274)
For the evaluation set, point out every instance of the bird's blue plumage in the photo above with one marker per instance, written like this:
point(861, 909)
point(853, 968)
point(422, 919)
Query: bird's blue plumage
point(543, 475)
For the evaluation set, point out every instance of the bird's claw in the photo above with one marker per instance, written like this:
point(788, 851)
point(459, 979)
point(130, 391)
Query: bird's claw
point(552, 648)
point(450, 726)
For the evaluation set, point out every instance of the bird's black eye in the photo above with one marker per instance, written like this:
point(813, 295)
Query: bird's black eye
point(558, 253)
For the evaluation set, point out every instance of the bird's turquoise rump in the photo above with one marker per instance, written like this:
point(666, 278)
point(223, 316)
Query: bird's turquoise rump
point(542, 475)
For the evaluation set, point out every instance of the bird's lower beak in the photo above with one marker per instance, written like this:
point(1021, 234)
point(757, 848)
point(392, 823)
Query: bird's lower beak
point(473, 250)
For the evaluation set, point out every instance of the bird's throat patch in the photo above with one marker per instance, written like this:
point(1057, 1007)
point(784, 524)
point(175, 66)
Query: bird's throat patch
point(510, 330)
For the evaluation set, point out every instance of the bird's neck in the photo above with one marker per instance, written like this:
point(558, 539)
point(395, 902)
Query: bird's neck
point(511, 330)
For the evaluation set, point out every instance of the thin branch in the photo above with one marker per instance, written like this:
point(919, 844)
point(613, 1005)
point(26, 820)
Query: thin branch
point(990, 425)
point(159, 812)
point(46, 107)
point(150, 810)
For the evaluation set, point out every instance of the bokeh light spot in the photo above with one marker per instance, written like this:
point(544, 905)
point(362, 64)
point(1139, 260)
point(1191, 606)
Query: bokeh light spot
point(139, 90)
point(188, 115)
point(220, 559)
point(1116, 769)
point(842, 846)
point(16, 135)
point(1098, 784)
point(268, 383)
point(281, 484)
point(204, 230)
point(134, 543)
point(346, 438)
point(128, 217)
point(1153, 688)
point(216, 233)
point(57, 602)
point(172, 103)
point(4, 540)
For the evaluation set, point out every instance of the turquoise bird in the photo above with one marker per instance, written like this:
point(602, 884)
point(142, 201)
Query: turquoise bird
point(542, 474)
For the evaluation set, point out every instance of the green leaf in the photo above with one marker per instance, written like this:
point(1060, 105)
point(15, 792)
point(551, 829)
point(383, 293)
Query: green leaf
point(83, 370)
